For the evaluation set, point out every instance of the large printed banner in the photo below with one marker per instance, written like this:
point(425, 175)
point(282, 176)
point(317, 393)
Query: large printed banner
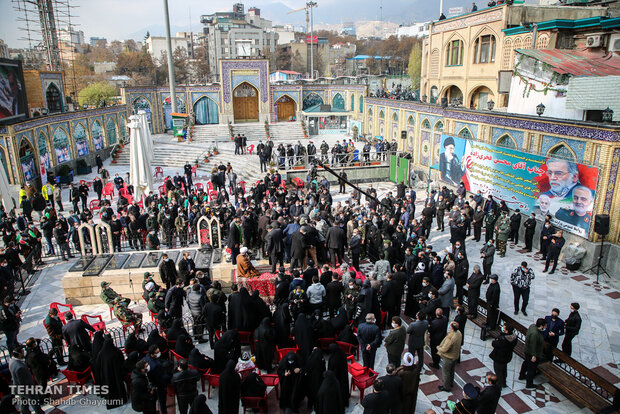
point(531, 183)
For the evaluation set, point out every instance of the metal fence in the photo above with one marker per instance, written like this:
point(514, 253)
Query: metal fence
point(306, 161)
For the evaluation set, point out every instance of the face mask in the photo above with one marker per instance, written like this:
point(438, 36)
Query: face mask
point(351, 286)
point(148, 368)
point(165, 260)
point(291, 362)
point(157, 355)
point(429, 296)
point(458, 246)
point(394, 325)
point(424, 284)
point(489, 243)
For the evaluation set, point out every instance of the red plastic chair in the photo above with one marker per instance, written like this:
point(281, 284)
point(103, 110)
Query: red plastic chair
point(199, 186)
point(194, 171)
point(213, 380)
point(203, 373)
point(123, 192)
point(218, 334)
point(324, 343)
point(61, 312)
point(152, 315)
point(209, 186)
point(245, 372)
point(282, 352)
point(75, 377)
point(271, 380)
point(159, 171)
point(141, 202)
point(242, 185)
point(250, 149)
point(177, 357)
point(212, 195)
point(108, 190)
point(363, 381)
point(255, 403)
point(162, 190)
point(298, 182)
point(93, 205)
point(99, 324)
point(349, 349)
point(355, 368)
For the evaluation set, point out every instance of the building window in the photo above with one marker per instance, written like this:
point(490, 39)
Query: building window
point(455, 53)
point(465, 134)
point(562, 151)
point(506, 141)
point(484, 49)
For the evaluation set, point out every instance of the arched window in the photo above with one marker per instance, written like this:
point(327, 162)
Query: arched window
point(96, 133)
point(312, 100)
point(381, 114)
point(369, 111)
point(110, 130)
point(206, 111)
point(361, 104)
point(52, 96)
point(439, 126)
point(507, 54)
point(338, 101)
point(395, 117)
point(465, 134)
point(81, 140)
point(454, 56)
point(352, 102)
point(426, 124)
point(506, 141)
point(484, 49)
point(562, 151)
point(411, 120)
point(434, 69)
point(542, 42)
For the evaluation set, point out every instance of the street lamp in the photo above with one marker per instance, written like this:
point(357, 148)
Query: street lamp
point(490, 105)
point(608, 114)
point(540, 109)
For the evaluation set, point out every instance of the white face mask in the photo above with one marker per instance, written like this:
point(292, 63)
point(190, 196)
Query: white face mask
point(157, 355)
point(148, 368)
point(394, 325)
point(430, 296)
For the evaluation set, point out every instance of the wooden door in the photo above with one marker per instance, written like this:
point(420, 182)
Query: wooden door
point(286, 110)
point(245, 103)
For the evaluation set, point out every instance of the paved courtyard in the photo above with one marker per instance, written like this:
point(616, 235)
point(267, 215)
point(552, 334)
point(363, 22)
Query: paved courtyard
point(597, 346)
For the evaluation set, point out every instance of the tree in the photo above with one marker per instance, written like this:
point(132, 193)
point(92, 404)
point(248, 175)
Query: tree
point(298, 64)
point(97, 94)
point(415, 65)
point(137, 65)
point(199, 66)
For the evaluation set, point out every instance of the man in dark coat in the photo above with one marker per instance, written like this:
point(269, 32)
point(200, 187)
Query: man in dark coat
point(437, 330)
point(515, 223)
point(489, 396)
point(168, 271)
point(174, 300)
point(335, 241)
point(377, 402)
point(298, 248)
point(530, 229)
point(187, 268)
point(555, 247)
point(235, 238)
point(275, 246)
point(410, 375)
point(355, 245)
point(503, 346)
point(391, 295)
point(572, 326)
point(416, 331)
point(492, 297)
point(369, 335)
point(74, 332)
point(40, 364)
point(473, 291)
point(545, 238)
point(333, 295)
point(393, 384)
point(184, 381)
point(143, 397)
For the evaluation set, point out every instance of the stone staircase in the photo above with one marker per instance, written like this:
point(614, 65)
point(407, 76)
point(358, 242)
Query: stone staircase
point(168, 153)
point(252, 130)
point(286, 131)
point(211, 133)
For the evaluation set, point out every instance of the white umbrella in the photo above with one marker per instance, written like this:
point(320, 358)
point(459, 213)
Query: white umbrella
point(5, 190)
point(147, 131)
point(140, 155)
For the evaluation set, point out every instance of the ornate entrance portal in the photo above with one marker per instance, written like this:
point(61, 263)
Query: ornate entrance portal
point(245, 103)
point(286, 108)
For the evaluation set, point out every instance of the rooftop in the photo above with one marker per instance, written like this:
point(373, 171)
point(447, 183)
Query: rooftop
point(576, 63)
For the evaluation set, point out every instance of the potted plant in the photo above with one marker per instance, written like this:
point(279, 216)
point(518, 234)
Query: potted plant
point(215, 150)
point(65, 174)
point(231, 131)
point(83, 167)
point(206, 159)
point(122, 143)
point(196, 163)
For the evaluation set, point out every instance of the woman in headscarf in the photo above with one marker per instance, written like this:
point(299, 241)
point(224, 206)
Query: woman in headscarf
point(79, 359)
point(184, 345)
point(156, 339)
point(338, 365)
point(133, 343)
point(199, 406)
point(261, 310)
point(229, 390)
point(340, 320)
point(130, 362)
point(291, 378)
point(176, 330)
point(98, 339)
point(410, 374)
point(347, 335)
point(163, 320)
point(109, 371)
point(329, 398)
point(313, 375)
point(227, 348)
point(302, 332)
point(265, 345)
point(199, 361)
point(253, 386)
point(282, 324)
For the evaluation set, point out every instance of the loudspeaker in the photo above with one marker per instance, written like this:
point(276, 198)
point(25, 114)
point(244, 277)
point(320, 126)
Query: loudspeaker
point(403, 134)
point(444, 102)
point(601, 224)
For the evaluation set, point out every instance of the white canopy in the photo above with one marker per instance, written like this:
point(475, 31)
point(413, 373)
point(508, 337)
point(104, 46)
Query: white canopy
point(5, 190)
point(140, 156)
point(147, 131)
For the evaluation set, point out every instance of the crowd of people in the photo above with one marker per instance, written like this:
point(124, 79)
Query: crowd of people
point(322, 293)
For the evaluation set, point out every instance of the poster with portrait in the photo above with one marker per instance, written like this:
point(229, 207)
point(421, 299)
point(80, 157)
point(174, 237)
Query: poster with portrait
point(82, 148)
point(62, 154)
point(532, 183)
point(29, 167)
point(12, 90)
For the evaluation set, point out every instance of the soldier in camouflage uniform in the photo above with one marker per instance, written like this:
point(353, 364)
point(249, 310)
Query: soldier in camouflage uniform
point(502, 229)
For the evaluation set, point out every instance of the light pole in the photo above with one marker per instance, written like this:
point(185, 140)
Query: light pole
point(173, 94)
point(311, 5)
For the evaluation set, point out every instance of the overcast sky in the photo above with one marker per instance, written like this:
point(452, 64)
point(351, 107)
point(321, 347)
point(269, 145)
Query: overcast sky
point(122, 19)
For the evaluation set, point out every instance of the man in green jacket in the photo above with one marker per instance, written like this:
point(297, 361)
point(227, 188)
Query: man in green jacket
point(534, 343)
point(108, 295)
point(395, 341)
point(502, 230)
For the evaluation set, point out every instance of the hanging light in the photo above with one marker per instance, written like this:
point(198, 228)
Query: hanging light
point(540, 109)
point(608, 114)
point(491, 105)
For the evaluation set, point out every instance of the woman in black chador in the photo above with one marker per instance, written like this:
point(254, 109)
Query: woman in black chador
point(290, 376)
point(329, 399)
point(265, 345)
point(229, 390)
point(109, 371)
